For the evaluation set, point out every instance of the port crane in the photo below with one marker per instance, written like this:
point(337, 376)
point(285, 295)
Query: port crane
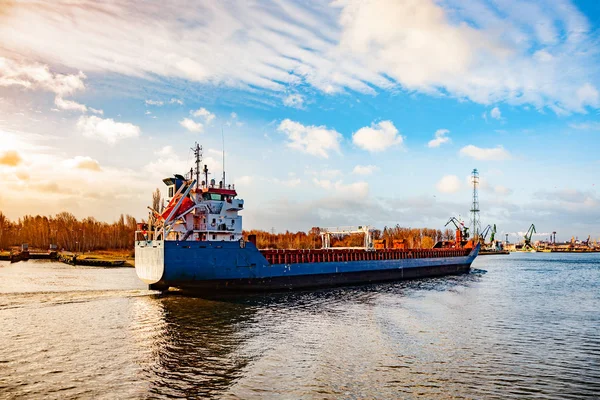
point(528, 235)
point(462, 232)
point(486, 231)
point(587, 241)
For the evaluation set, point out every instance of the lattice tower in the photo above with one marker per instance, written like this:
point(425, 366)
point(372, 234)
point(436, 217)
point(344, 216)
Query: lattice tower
point(475, 225)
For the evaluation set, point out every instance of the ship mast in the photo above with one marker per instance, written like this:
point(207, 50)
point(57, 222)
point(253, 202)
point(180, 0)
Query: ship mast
point(223, 138)
point(198, 154)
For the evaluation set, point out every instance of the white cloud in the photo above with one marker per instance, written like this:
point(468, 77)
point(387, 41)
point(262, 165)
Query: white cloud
point(587, 95)
point(502, 190)
point(204, 113)
point(48, 168)
point(106, 130)
point(176, 101)
point(507, 51)
point(355, 190)
point(364, 169)
point(157, 103)
point(448, 184)
point(495, 113)
point(85, 163)
point(440, 138)
point(69, 105)
point(147, 112)
point(491, 154)
point(323, 173)
point(294, 100)
point(291, 183)
point(315, 140)
point(166, 151)
point(191, 125)
point(244, 180)
point(234, 120)
point(322, 183)
point(96, 111)
point(586, 126)
point(168, 160)
point(377, 137)
point(39, 76)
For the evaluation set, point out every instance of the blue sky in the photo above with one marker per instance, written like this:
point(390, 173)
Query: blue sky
point(334, 113)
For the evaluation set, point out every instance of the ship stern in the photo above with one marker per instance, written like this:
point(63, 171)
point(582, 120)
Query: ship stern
point(150, 260)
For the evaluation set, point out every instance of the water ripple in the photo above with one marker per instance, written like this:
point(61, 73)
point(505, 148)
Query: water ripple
point(524, 325)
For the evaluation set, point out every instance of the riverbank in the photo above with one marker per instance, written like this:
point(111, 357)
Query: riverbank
point(108, 258)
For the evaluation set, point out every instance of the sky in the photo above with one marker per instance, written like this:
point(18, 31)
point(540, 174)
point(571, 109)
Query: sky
point(333, 113)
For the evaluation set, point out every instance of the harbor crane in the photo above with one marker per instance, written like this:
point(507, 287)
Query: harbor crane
point(462, 231)
point(587, 241)
point(486, 231)
point(527, 238)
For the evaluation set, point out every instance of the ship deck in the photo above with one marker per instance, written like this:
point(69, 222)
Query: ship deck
point(299, 256)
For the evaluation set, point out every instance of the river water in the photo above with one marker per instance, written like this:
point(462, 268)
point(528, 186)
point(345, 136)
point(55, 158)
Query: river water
point(522, 325)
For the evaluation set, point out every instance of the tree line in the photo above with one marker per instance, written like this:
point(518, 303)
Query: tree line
point(71, 234)
point(412, 237)
point(67, 232)
point(416, 237)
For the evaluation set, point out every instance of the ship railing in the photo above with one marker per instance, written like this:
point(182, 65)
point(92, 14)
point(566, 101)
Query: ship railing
point(146, 235)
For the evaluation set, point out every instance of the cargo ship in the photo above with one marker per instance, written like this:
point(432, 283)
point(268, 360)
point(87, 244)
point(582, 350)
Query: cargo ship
point(196, 243)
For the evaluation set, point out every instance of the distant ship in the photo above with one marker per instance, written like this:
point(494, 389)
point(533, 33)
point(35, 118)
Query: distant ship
point(196, 243)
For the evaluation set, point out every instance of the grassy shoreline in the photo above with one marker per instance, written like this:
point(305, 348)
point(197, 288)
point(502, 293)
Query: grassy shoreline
point(108, 255)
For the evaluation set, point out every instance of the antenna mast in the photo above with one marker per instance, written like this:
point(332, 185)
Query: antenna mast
point(223, 137)
point(198, 154)
point(475, 224)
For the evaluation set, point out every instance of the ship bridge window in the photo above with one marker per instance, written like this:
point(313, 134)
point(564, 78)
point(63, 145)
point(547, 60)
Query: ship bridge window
point(171, 191)
point(212, 196)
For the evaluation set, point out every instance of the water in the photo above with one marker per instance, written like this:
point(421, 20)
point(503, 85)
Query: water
point(523, 325)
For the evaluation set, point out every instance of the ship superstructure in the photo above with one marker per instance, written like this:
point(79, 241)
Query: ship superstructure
point(198, 211)
point(196, 242)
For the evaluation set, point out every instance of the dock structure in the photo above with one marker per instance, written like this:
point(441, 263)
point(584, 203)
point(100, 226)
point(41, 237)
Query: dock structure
point(365, 230)
point(17, 256)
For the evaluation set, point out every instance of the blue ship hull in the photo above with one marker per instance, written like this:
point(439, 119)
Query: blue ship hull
point(226, 266)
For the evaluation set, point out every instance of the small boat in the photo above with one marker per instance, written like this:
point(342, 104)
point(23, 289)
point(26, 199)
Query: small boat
point(74, 259)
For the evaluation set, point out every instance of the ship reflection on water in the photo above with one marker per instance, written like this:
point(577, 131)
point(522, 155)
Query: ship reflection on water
point(198, 351)
point(285, 344)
